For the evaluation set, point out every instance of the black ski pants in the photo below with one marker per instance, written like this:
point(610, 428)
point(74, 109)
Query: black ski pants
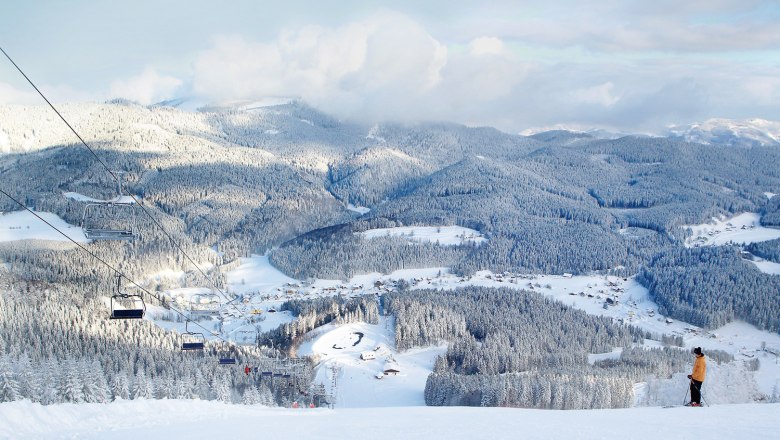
point(696, 391)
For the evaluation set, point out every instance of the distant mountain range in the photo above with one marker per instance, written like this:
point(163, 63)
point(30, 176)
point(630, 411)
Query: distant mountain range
point(717, 131)
point(747, 133)
point(253, 176)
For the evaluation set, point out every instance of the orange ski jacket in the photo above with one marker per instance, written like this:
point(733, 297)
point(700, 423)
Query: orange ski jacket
point(699, 368)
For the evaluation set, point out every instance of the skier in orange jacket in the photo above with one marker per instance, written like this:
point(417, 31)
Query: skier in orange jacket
point(697, 377)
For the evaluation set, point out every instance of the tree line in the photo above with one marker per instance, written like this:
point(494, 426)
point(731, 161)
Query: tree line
point(712, 286)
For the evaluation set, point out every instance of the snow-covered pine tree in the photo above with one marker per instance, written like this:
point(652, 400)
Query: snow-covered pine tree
point(120, 386)
point(221, 389)
point(29, 379)
point(71, 388)
point(95, 388)
point(9, 386)
point(142, 387)
point(251, 395)
point(49, 390)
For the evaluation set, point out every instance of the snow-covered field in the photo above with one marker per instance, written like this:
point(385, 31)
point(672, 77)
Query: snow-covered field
point(256, 275)
point(765, 266)
point(362, 210)
point(741, 229)
point(126, 200)
point(194, 419)
point(22, 225)
point(444, 235)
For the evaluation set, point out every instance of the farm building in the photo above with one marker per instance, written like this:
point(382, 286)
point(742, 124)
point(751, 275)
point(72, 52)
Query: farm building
point(391, 372)
point(391, 369)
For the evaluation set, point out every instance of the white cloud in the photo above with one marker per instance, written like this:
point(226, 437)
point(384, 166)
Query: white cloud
point(764, 89)
point(620, 26)
point(60, 93)
point(608, 63)
point(600, 94)
point(389, 67)
point(486, 46)
point(146, 88)
point(385, 61)
point(11, 95)
point(386, 67)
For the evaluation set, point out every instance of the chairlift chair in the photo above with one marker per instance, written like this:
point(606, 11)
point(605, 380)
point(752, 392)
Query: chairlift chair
point(136, 311)
point(192, 340)
point(227, 358)
point(109, 221)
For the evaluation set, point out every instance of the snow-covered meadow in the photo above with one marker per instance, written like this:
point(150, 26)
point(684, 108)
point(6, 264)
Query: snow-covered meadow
point(744, 228)
point(22, 225)
point(443, 235)
point(741, 229)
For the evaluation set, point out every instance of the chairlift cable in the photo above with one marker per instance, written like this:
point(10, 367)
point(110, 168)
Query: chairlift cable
point(123, 190)
point(116, 271)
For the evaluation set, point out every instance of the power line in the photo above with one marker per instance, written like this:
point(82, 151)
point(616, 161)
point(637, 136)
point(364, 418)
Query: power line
point(123, 190)
point(116, 271)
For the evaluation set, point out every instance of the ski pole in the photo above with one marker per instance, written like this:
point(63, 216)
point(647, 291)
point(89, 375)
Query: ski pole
point(687, 389)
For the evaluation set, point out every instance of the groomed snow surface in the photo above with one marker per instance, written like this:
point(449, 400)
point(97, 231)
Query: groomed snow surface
point(192, 420)
point(339, 349)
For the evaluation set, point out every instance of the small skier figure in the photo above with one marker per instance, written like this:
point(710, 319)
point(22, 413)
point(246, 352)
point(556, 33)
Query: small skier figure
point(247, 370)
point(697, 377)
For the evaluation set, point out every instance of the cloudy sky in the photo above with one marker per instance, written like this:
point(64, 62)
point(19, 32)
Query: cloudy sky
point(616, 64)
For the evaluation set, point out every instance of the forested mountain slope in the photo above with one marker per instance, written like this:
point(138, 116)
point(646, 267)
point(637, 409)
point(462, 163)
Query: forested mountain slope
point(245, 181)
point(227, 183)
